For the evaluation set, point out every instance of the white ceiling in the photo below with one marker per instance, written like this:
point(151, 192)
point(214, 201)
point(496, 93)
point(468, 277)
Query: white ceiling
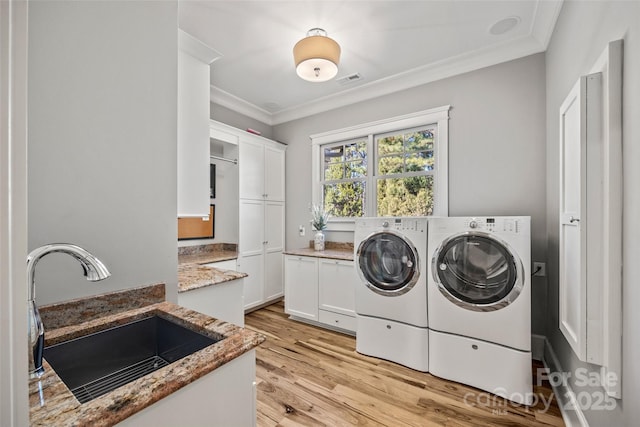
point(393, 45)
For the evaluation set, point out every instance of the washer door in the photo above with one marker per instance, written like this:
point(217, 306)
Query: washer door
point(477, 271)
point(388, 263)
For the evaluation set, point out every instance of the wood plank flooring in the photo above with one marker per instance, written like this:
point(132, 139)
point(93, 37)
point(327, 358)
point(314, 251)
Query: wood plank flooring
point(309, 376)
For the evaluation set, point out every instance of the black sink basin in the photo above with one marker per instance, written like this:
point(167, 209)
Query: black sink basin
point(96, 364)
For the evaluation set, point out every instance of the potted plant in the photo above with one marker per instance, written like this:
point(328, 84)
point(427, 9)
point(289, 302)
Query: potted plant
point(319, 223)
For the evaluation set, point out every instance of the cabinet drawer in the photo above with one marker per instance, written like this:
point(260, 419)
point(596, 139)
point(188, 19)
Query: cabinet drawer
point(337, 320)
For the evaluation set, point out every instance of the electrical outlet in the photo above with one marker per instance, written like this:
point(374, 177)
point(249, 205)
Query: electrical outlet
point(301, 230)
point(539, 269)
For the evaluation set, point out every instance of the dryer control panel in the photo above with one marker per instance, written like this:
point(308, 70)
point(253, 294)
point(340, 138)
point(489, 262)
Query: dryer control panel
point(509, 225)
point(405, 224)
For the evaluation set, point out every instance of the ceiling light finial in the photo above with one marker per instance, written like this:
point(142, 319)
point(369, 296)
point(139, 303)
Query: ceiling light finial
point(316, 56)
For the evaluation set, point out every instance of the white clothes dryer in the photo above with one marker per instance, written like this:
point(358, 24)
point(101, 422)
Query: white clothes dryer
point(391, 296)
point(479, 301)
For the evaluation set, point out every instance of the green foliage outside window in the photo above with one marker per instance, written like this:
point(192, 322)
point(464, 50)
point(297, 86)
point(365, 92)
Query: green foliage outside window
point(404, 183)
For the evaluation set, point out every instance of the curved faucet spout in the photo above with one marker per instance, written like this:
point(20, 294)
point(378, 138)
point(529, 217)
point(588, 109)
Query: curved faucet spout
point(94, 270)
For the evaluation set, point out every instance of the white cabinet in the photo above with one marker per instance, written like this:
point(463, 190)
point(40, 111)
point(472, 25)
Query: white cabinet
point(262, 164)
point(223, 301)
point(261, 171)
point(321, 290)
point(260, 250)
point(301, 287)
point(193, 126)
point(224, 397)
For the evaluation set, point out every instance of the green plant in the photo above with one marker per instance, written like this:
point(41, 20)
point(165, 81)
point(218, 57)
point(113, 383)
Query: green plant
point(319, 217)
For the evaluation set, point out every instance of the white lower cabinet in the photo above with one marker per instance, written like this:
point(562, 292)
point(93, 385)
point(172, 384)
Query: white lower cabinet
point(223, 301)
point(224, 397)
point(301, 287)
point(260, 251)
point(321, 290)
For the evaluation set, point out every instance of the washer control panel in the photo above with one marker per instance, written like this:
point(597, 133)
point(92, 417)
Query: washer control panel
point(510, 225)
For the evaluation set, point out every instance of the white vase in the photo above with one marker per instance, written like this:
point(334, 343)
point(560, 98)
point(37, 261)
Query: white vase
point(318, 241)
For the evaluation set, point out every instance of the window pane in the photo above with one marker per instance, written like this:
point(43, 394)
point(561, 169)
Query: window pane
point(334, 154)
point(390, 165)
point(355, 170)
point(391, 144)
point(333, 171)
point(420, 140)
point(412, 196)
point(421, 161)
point(356, 151)
point(345, 199)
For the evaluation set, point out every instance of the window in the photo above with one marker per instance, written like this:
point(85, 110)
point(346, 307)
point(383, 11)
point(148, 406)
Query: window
point(395, 167)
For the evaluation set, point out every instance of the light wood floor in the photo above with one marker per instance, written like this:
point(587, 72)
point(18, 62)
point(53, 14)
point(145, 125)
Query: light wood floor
point(309, 376)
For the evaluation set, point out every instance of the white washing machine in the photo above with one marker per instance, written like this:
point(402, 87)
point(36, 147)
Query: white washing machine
point(391, 296)
point(479, 300)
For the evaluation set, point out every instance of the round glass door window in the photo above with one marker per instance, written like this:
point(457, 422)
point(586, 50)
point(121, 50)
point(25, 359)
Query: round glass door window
point(477, 272)
point(388, 263)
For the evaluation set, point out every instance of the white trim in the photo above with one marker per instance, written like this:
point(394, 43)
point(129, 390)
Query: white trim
point(438, 116)
point(544, 21)
point(239, 105)
point(14, 392)
point(430, 116)
point(194, 47)
point(610, 65)
point(563, 392)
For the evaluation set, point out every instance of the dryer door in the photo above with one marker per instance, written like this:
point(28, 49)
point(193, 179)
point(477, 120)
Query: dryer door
point(477, 271)
point(388, 263)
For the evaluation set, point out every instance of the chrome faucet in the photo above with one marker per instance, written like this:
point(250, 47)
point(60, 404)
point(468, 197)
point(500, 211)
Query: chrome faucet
point(94, 270)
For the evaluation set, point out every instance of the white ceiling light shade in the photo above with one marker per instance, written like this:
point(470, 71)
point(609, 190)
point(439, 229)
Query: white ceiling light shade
point(316, 56)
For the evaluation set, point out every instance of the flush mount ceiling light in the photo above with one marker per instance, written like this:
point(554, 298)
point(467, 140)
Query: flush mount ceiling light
point(316, 56)
point(504, 25)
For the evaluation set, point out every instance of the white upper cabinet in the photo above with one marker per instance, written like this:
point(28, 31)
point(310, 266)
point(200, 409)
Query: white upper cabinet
point(194, 59)
point(261, 169)
point(274, 173)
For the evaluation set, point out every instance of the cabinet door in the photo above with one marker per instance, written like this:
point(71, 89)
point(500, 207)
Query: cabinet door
point(301, 287)
point(251, 169)
point(274, 173)
point(274, 226)
point(254, 282)
point(273, 275)
point(251, 219)
point(337, 286)
point(193, 137)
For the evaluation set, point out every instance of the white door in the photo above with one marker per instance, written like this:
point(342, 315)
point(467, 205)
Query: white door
point(301, 283)
point(572, 262)
point(254, 283)
point(337, 286)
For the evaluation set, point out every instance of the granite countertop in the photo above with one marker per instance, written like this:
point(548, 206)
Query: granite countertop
point(193, 275)
point(333, 250)
point(51, 402)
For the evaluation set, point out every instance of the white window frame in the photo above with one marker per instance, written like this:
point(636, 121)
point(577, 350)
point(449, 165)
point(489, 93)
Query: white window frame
point(436, 116)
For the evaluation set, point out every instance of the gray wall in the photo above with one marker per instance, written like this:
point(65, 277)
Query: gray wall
point(496, 149)
point(102, 142)
point(237, 120)
point(581, 34)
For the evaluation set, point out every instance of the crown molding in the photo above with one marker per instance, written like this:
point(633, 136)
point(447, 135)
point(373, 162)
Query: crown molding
point(536, 41)
point(544, 21)
point(239, 105)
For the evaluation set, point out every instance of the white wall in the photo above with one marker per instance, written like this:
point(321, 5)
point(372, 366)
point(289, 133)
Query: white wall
point(237, 120)
point(102, 142)
point(581, 34)
point(496, 149)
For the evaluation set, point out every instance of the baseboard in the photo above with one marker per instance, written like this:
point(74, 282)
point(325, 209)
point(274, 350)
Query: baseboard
point(537, 347)
point(573, 417)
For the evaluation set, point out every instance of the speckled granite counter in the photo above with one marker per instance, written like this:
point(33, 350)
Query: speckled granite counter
point(52, 403)
point(193, 275)
point(333, 250)
point(205, 254)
